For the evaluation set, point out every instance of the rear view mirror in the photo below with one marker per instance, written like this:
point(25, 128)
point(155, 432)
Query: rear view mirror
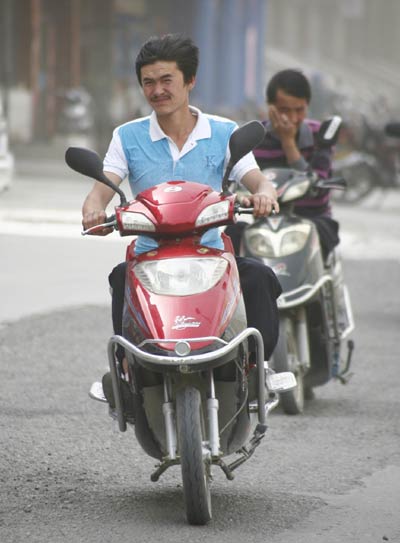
point(89, 163)
point(244, 139)
point(84, 161)
point(328, 133)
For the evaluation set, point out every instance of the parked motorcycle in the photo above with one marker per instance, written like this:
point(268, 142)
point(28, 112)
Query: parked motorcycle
point(367, 162)
point(197, 397)
point(76, 121)
point(393, 129)
point(315, 309)
point(359, 168)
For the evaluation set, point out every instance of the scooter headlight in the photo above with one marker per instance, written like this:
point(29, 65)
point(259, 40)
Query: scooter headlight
point(213, 213)
point(180, 276)
point(296, 191)
point(137, 222)
point(293, 240)
point(264, 243)
point(260, 243)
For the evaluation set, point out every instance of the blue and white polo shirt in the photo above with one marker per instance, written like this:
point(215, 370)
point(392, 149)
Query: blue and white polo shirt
point(141, 150)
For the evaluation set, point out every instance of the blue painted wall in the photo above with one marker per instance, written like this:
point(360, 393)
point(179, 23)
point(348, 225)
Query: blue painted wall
point(231, 38)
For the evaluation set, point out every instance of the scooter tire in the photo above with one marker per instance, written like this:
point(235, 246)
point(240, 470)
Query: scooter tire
point(286, 358)
point(195, 469)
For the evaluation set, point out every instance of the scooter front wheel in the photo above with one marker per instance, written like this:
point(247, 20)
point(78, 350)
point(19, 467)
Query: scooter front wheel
point(195, 468)
point(286, 358)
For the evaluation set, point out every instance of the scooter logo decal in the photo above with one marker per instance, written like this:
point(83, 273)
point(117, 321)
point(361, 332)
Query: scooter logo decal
point(175, 188)
point(182, 322)
point(274, 223)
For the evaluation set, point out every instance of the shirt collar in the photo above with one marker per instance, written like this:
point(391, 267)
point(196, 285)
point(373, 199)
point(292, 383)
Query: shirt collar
point(202, 129)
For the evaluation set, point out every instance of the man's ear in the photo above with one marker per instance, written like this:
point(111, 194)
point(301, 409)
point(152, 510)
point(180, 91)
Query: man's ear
point(192, 83)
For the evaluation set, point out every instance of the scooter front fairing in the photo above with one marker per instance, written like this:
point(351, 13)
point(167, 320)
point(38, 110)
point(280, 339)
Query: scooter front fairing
point(182, 292)
point(290, 246)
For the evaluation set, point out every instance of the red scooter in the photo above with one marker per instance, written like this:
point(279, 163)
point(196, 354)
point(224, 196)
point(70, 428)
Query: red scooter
point(197, 397)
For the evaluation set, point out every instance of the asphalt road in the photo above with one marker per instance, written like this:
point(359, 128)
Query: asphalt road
point(68, 475)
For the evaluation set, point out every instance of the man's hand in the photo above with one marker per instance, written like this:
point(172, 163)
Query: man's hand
point(263, 203)
point(263, 195)
point(92, 218)
point(93, 211)
point(281, 124)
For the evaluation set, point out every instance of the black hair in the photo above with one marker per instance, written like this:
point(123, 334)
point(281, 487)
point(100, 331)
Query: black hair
point(292, 82)
point(171, 47)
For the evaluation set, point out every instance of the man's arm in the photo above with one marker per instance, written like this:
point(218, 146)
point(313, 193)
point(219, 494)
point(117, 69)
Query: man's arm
point(263, 194)
point(96, 202)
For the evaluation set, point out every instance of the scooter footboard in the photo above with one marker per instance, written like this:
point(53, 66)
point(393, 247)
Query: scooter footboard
point(186, 364)
point(302, 294)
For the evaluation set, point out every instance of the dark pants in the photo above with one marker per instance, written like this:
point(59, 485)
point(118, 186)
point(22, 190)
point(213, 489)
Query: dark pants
point(260, 289)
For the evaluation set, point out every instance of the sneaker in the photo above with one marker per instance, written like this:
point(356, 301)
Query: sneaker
point(96, 392)
point(126, 393)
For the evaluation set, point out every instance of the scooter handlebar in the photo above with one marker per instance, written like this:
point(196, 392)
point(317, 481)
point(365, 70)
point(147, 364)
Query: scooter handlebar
point(111, 222)
point(244, 210)
point(248, 210)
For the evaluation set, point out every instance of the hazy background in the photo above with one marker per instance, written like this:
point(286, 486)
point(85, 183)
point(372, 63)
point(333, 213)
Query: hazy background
point(76, 57)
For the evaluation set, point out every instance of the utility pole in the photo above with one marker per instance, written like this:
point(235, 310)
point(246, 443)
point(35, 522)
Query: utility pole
point(35, 62)
point(7, 75)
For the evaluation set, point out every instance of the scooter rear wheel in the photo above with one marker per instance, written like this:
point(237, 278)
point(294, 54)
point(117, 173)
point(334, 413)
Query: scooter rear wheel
point(195, 469)
point(286, 358)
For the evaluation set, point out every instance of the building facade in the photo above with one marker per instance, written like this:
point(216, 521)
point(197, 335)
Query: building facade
point(49, 47)
point(351, 46)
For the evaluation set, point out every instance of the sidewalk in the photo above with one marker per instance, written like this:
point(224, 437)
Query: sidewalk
point(42, 179)
point(45, 196)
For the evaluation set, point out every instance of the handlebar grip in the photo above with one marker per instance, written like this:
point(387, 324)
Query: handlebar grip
point(110, 223)
point(249, 210)
point(244, 210)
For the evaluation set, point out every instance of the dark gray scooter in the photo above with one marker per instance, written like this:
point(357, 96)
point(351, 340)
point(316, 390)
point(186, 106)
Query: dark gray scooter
point(315, 309)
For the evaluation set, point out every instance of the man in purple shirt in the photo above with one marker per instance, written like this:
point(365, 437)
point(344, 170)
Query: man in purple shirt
point(290, 143)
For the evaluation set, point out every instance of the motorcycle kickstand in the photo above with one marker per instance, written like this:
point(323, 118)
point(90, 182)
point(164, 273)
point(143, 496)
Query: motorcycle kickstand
point(163, 466)
point(245, 452)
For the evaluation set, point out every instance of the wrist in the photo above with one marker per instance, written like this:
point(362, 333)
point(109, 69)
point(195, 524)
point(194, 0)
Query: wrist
point(291, 151)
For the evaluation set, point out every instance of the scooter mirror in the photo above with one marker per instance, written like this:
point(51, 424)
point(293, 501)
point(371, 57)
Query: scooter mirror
point(84, 161)
point(241, 142)
point(89, 163)
point(328, 133)
point(393, 130)
point(338, 183)
point(244, 139)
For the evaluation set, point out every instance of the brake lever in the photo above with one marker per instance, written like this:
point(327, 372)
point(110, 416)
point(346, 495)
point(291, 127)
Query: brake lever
point(249, 210)
point(111, 223)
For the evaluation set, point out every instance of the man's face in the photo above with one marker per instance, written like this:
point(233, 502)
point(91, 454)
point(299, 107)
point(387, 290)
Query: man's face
point(294, 108)
point(164, 87)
